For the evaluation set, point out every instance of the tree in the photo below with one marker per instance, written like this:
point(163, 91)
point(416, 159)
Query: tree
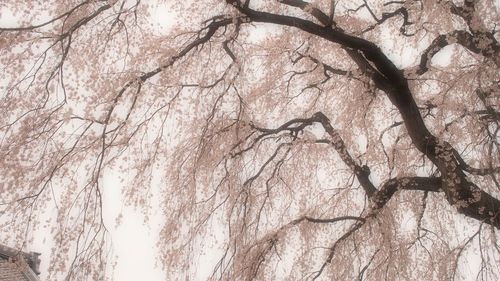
point(292, 140)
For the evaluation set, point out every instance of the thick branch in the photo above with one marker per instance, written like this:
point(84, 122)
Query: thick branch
point(310, 9)
point(472, 43)
point(459, 36)
point(295, 125)
point(387, 190)
point(362, 172)
point(482, 38)
point(459, 191)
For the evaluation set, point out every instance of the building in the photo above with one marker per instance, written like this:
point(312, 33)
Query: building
point(18, 266)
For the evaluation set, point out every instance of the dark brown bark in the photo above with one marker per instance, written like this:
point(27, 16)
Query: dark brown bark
point(460, 192)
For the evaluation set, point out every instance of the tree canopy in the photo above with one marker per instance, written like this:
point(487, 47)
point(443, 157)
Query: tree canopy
point(283, 140)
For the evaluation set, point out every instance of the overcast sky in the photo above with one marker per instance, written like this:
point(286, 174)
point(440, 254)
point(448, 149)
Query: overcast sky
point(134, 241)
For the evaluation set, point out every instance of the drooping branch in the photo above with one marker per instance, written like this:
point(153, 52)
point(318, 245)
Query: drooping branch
point(460, 192)
point(262, 248)
point(377, 202)
point(331, 220)
point(362, 173)
point(225, 189)
point(294, 126)
point(64, 16)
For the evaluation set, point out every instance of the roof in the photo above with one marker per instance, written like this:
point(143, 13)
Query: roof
point(16, 265)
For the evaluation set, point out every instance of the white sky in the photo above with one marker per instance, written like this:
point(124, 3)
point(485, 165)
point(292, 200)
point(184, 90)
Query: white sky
point(133, 241)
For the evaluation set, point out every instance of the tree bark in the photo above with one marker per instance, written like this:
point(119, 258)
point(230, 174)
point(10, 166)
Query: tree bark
point(469, 199)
